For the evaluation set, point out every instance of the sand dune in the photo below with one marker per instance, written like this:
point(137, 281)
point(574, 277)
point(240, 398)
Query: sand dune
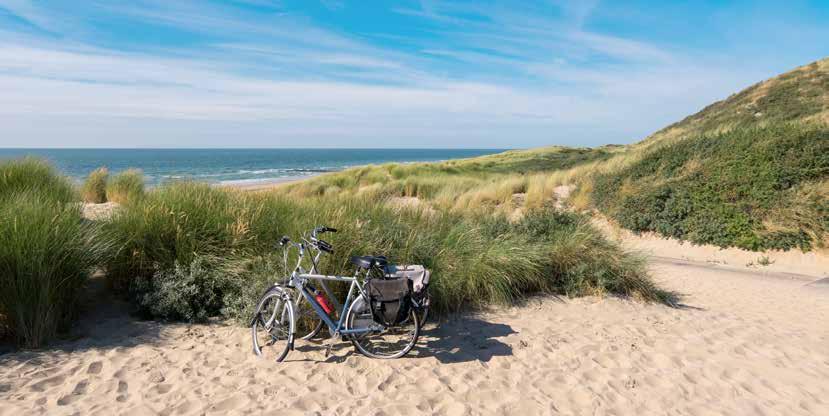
point(743, 343)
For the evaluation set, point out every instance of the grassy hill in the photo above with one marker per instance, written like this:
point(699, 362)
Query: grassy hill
point(801, 95)
point(750, 171)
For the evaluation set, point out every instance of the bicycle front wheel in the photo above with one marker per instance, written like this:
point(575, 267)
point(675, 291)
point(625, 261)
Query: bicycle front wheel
point(272, 329)
point(381, 342)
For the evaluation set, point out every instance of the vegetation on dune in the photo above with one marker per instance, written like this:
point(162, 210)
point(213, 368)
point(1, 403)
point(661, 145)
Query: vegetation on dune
point(125, 186)
point(46, 251)
point(189, 251)
point(94, 188)
point(175, 222)
point(752, 173)
point(800, 95)
point(478, 184)
point(749, 171)
point(726, 189)
point(35, 176)
point(534, 160)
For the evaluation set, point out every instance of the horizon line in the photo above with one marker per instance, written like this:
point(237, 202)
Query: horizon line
point(271, 148)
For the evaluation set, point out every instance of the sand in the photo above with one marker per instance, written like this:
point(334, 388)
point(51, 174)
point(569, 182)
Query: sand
point(792, 262)
point(743, 343)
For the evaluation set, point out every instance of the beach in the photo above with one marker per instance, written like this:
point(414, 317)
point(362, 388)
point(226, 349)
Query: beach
point(601, 211)
point(741, 342)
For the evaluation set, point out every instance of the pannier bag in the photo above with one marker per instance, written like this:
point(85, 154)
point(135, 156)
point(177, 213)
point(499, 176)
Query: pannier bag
point(389, 300)
point(418, 275)
point(419, 278)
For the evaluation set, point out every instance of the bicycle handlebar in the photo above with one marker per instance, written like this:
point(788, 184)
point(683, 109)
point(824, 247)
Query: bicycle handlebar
point(320, 244)
point(323, 229)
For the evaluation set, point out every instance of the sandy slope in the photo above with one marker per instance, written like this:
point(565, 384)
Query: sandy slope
point(743, 344)
point(813, 263)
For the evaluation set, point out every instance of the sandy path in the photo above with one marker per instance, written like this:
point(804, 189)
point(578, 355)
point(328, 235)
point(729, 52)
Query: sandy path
point(744, 344)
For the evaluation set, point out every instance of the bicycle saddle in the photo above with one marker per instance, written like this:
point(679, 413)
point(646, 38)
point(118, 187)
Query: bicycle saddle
point(367, 262)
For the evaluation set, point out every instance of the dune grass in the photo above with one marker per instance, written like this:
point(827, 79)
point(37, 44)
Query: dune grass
point(173, 239)
point(478, 184)
point(46, 254)
point(94, 188)
point(35, 176)
point(170, 225)
point(46, 250)
point(125, 186)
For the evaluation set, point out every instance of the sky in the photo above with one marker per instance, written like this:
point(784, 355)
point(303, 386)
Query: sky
point(500, 74)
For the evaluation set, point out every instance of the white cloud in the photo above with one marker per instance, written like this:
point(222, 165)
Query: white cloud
point(525, 82)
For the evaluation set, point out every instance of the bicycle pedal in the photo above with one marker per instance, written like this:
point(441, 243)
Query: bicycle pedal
point(327, 350)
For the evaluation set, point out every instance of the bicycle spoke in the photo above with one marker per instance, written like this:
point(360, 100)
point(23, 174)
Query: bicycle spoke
point(389, 343)
point(271, 329)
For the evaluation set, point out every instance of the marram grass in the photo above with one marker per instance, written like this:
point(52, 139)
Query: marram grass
point(126, 187)
point(476, 259)
point(34, 175)
point(94, 187)
point(46, 254)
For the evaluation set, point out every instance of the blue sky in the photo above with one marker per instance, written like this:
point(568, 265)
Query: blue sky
point(260, 73)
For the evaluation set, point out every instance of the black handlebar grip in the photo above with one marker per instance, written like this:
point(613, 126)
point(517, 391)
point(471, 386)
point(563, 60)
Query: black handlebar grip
point(325, 246)
point(284, 240)
point(333, 230)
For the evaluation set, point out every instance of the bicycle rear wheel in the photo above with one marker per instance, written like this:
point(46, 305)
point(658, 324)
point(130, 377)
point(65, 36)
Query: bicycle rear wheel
point(272, 329)
point(383, 343)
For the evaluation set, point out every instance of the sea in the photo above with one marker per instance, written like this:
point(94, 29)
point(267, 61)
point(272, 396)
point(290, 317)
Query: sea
point(230, 166)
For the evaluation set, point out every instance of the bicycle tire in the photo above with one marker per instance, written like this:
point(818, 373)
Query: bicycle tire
point(363, 347)
point(273, 321)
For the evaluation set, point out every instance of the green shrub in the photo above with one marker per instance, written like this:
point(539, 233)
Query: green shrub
point(34, 175)
point(192, 292)
point(723, 189)
point(46, 254)
point(94, 189)
point(126, 187)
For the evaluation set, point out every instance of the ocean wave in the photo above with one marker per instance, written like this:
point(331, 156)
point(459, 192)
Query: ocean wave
point(195, 175)
point(284, 170)
point(268, 180)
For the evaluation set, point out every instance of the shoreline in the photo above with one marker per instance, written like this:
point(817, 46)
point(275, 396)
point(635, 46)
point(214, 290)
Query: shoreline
point(264, 184)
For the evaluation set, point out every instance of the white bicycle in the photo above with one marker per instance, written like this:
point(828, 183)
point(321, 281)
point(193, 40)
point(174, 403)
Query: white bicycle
point(380, 317)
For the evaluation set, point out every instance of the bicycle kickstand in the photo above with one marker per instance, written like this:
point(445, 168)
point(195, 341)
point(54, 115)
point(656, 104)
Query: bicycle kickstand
point(329, 344)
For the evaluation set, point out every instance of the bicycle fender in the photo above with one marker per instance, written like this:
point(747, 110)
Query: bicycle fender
point(253, 318)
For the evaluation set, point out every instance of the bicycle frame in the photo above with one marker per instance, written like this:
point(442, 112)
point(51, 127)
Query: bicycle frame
point(336, 328)
point(299, 278)
point(314, 263)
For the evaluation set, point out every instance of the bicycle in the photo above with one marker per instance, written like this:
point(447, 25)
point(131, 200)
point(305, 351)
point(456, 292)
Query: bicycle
point(274, 324)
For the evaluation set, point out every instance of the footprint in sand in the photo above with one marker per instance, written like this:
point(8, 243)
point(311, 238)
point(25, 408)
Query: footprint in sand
point(79, 390)
point(95, 368)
